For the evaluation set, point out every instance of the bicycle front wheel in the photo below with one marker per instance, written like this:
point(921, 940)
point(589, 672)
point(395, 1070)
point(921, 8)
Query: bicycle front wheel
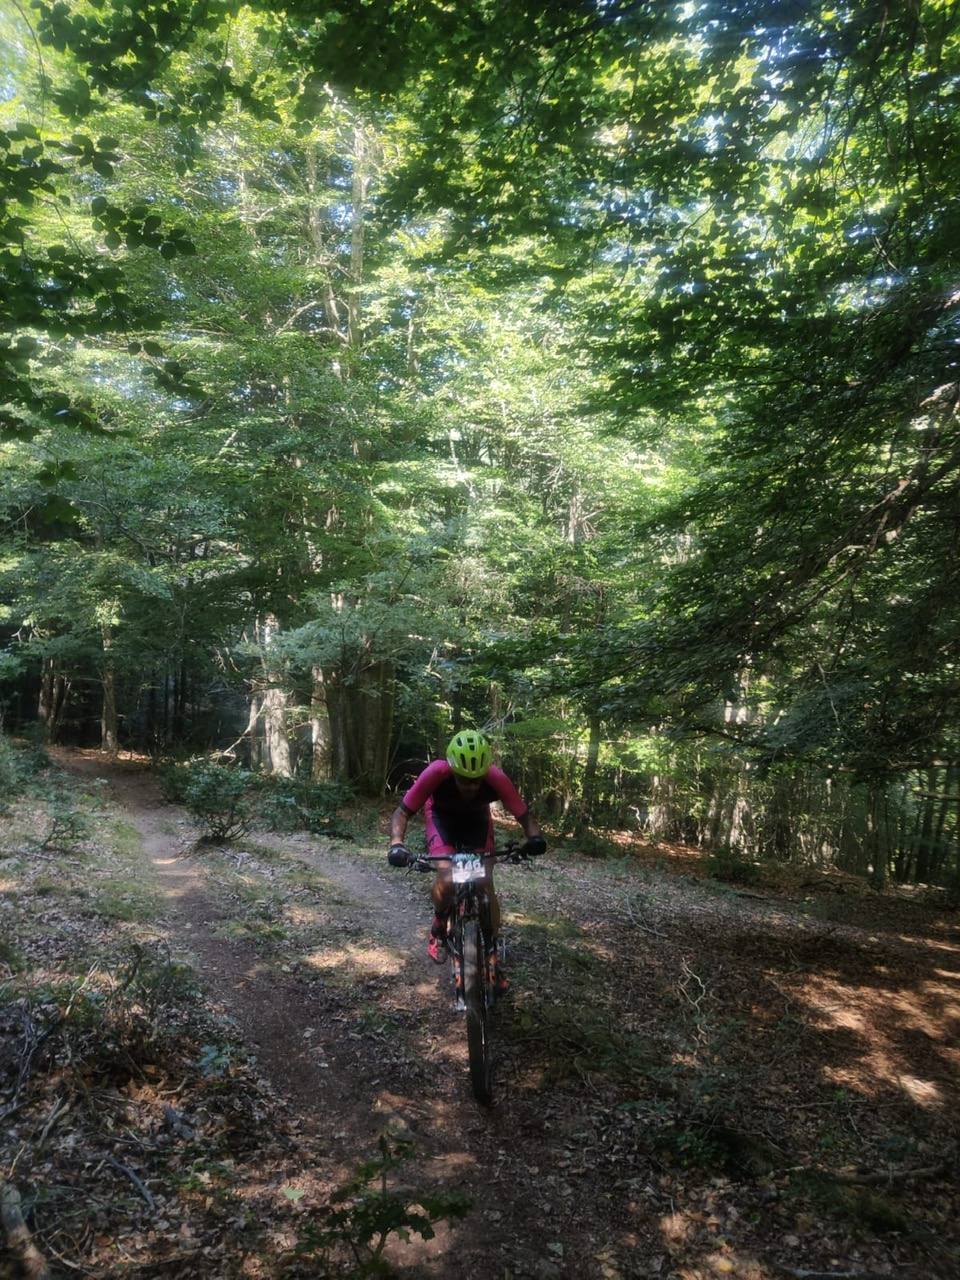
point(475, 998)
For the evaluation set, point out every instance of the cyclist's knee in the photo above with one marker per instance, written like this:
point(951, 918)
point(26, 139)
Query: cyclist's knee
point(442, 894)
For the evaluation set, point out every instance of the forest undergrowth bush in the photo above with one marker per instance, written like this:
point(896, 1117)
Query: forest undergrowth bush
point(300, 804)
point(733, 867)
point(227, 800)
point(221, 797)
point(21, 764)
point(126, 1010)
point(347, 1236)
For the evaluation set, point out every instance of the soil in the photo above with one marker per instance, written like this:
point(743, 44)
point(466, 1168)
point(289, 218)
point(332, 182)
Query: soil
point(692, 1081)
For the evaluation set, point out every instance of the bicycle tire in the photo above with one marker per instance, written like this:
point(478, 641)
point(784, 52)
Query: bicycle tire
point(478, 1029)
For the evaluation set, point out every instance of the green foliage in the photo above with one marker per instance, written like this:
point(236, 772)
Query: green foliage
point(591, 371)
point(11, 774)
point(298, 804)
point(215, 1060)
point(10, 957)
point(353, 1229)
point(131, 1010)
point(67, 824)
point(220, 797)
point(731, 866)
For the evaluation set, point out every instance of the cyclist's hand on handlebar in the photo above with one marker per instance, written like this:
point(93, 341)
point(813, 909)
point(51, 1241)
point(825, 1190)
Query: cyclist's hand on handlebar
point(533, 847)
point(399, 856)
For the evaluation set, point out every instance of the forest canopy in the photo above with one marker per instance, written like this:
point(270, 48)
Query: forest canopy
point(584, 371)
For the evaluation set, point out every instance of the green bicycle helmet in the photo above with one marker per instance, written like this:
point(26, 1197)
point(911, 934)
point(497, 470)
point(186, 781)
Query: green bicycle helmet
point(469, 754)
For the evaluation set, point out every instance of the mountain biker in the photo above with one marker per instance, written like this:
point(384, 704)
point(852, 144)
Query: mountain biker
point(456, 795)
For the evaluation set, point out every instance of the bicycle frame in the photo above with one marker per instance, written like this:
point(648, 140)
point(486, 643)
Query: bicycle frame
point(472, 954)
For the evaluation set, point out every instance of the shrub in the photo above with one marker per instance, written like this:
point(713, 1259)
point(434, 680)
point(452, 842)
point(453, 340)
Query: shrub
point(363, 1214)
point(173, 777)
point(730, 865)
point(298, 804)
point(67, 825)
point(11, 775)
point(219, 796)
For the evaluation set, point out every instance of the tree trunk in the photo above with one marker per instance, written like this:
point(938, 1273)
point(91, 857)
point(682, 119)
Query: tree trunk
point(361, 726)
point(875, 844)
point(54, 688)
point(361, 182)
point(276, 742)
point(588, 790)
point(273, 708)
point(321, 733)
point(109, 735)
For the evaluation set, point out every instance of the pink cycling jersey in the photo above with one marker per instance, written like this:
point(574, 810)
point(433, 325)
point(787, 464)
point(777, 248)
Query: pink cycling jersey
point(452, 821)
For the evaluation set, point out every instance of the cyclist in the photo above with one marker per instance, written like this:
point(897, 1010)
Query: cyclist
point(456, 795)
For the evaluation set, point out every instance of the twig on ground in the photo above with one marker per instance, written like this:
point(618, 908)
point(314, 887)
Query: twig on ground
point(19, 1241)
point(891, 1175)
point(128, 1173)
point(799, 1274)
point(638, 924)
point(877, 1178)
point(689, 979)
point(60, 1109)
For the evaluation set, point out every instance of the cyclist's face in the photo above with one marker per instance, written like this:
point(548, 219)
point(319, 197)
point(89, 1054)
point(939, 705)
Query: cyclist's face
point(469, 788)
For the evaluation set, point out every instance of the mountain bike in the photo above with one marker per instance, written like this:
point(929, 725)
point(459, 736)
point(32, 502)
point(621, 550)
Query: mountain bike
point(473, 953)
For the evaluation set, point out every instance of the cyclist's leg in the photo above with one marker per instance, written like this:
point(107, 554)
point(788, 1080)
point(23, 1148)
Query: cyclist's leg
point(442, 895)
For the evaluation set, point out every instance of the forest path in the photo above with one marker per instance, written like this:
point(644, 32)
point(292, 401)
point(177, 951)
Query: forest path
point(674, 1054)
point(357, 1032)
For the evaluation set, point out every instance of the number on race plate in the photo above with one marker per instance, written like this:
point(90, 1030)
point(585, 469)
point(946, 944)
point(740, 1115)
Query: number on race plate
point(467, 869)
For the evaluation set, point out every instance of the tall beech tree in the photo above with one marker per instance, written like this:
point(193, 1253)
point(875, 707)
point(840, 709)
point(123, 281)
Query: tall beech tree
point(586, 368)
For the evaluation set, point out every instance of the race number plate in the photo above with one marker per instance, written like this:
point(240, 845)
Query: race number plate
point(467, 869)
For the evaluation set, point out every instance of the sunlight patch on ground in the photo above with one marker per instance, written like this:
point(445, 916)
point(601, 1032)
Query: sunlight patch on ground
point(922, 1092)
point(878, 1067)
point(934, 944)
point(296, 913)
point(675, 1228)
point(873, 1058)
point(451, 1164)
point(841, 1017)
point(370, 959)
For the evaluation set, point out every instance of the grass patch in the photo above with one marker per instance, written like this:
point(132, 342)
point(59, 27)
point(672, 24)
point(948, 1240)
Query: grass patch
point(124, 838)
point(539, 927)
point(300, 876)
point(10, 957)
point(127, 900)
point(261, 931)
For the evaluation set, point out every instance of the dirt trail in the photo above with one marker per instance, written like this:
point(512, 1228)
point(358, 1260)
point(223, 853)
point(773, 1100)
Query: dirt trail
point(349, 1085)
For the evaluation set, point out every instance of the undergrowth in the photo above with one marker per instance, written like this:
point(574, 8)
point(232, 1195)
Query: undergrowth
point(346, 1238)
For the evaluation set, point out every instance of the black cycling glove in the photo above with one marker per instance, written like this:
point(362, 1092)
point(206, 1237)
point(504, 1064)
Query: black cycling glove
point(534, 846)
point(399, 856)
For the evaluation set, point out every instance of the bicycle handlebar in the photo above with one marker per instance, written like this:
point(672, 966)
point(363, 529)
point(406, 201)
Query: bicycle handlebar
point(512, 852)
